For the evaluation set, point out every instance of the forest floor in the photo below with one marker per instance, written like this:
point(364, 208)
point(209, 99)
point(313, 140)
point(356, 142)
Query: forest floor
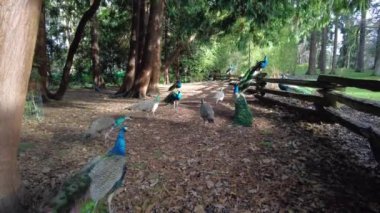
point(284, 162)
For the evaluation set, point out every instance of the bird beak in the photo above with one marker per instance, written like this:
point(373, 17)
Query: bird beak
point(125, 128)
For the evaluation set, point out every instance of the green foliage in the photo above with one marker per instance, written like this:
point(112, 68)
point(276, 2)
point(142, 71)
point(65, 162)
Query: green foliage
point(33, 106)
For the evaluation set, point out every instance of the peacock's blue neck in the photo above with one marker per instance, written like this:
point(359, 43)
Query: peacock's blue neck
point(236, 89)
point(120, 146)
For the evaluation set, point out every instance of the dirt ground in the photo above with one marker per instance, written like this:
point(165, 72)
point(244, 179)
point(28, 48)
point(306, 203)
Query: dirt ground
point(178, 164)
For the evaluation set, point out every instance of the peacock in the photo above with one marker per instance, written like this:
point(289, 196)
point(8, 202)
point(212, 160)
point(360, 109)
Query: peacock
point(99, 179)
point(101, 124)
point(174, 98)
point(243, 115)
point(293, 88)
point(236, 91)
point(219, 95)
point(207, 113)
point(253, 72)
point(176, 85)
point(147, 105)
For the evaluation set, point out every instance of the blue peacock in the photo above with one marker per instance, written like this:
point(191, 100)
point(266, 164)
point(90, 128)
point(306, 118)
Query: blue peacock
point(243, 115)
point(176, 85)
point(293, 88)
point(255, 70)
point(98, 179)
point(173, 98)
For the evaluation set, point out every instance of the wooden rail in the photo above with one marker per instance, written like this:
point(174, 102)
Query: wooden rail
point(363, 105)
point(349, 82)
point(325, 99)
point(304, 83)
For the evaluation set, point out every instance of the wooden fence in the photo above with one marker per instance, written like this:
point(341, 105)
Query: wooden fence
point(329, 93)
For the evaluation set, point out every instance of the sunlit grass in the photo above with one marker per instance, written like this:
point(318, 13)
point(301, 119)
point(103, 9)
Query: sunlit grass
point(349, 73)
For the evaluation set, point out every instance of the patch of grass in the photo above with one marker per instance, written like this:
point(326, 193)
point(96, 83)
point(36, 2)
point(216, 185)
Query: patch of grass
point(158, 154)
point(349, 73)
point(137, 165)
point(24, 146)
point(266, 132)
point(267, 144)
point(342, 72)
point(362, 93)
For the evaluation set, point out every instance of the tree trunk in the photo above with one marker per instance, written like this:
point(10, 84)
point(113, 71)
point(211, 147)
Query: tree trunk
point(18, 33)
point(73, 48)
point(360, 56)
point(176, 70)
point(177, 52)
point(313, 54)
point(41, 57)
point(97, 78)
point(166, 45)
point(377, 58)
point(155, 67)
point(322, 62)
point(334, 59)
point(152, 52)
point(133, 49)
point(143, 25)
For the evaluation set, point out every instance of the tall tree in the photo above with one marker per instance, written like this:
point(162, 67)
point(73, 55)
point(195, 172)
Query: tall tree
point(41, 56)
point(323, 52)
point(312, 53)
point(150, 70)
point(72, 50)
point(377, 57)
point(96, 72)
point(18, 32)
point(156, 54)
point(334, 59)
point(133, 60)
point(360, 55)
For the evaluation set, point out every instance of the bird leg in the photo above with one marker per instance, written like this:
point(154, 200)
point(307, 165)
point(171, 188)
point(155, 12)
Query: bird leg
point(109, 201)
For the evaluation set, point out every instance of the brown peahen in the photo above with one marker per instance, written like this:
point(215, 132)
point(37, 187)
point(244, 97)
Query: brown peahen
point(207, 113)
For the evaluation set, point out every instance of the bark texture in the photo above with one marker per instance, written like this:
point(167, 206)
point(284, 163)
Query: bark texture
point(155, 44)
point(322, 56)
point(41, 57)
point(96, 71)
point(377, 57)
point(313, 54)
point(335, 48)
point(360, 56)
point(19, 21)
point(152, 51)
point(133, 60)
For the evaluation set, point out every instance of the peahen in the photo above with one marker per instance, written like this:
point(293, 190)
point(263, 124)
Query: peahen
point(293, 88)
point(176, 85)
point(147, 105)
point(243, 115)
point(207, 113)
point(101, 124)
point(219, 95)
point(174, 98)
point(253, 72)
point(99, 179)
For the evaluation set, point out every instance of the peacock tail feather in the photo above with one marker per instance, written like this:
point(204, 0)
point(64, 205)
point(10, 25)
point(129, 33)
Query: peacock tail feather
point(243, 115)
point(100, 177)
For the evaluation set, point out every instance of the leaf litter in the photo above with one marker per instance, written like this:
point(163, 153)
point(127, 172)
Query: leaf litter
point(283, 163)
